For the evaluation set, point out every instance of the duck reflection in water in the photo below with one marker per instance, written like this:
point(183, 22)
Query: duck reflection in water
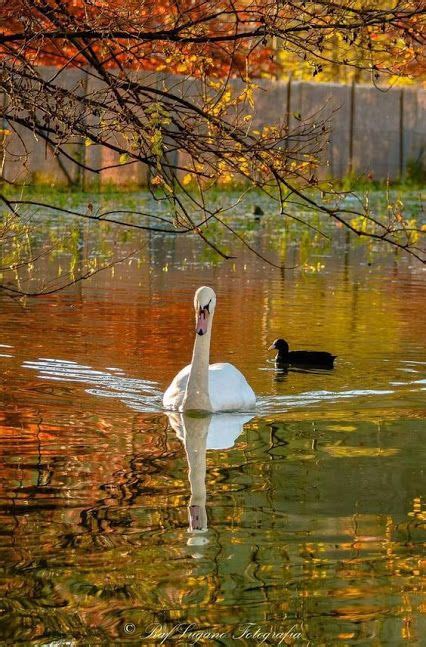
point(198, 434)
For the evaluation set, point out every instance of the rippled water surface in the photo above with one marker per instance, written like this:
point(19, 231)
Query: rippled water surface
point(315, 504)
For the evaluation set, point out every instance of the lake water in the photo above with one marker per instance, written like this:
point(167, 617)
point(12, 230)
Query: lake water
point(315, 505)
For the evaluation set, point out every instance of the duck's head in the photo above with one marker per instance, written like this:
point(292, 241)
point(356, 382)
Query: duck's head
point(204, 305)
point(280, 345)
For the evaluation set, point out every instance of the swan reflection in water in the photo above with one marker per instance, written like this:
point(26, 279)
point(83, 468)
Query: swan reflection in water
point(198, 434)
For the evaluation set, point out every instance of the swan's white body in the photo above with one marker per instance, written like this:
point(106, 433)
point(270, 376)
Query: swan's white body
point(204, 387)
point(228, 389)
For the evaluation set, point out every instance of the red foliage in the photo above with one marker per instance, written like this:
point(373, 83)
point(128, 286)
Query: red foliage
point(146, 19)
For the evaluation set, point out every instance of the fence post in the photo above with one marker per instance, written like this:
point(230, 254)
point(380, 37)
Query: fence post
point(81, 151)
point(351, 128)
point(401, 134)
point(290, 78)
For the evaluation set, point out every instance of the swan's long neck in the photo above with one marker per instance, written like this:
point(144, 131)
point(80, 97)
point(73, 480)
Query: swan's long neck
point(197, 389)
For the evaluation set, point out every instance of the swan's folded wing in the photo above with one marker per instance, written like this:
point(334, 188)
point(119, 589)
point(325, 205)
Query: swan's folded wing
point(229, 389)
point(173, 396)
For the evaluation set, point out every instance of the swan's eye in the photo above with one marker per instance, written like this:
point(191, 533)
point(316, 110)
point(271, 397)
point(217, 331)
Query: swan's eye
point(204, 309)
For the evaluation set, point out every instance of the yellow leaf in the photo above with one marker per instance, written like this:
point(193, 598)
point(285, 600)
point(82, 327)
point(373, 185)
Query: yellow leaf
point(187, 179)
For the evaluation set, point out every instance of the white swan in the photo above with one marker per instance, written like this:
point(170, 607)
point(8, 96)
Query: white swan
point(200, 387)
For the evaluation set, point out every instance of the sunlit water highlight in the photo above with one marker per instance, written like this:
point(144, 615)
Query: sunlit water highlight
point(146, 396)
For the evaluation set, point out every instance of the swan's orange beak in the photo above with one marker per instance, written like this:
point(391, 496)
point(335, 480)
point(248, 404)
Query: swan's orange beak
point(202, 321)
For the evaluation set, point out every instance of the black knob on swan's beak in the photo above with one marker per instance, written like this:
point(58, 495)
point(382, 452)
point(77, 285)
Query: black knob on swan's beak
point(202, 320)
